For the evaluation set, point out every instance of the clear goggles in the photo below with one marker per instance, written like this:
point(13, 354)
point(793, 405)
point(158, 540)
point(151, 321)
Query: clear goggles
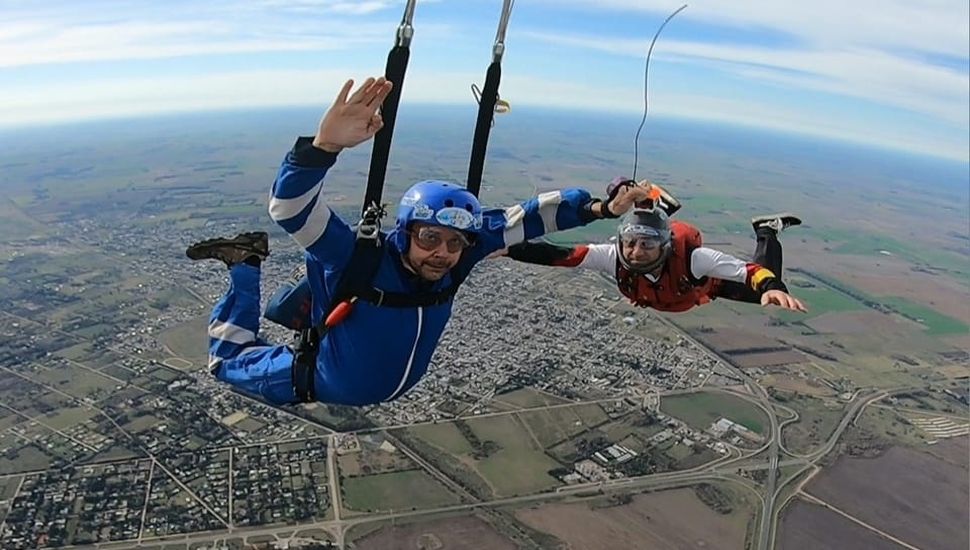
point(641, 236)
point(429, 238)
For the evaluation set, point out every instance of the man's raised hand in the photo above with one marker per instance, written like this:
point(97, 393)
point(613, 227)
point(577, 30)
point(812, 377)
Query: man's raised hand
point(355, 119)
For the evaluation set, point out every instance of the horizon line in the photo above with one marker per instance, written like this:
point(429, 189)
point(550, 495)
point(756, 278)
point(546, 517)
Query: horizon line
point(81, 120)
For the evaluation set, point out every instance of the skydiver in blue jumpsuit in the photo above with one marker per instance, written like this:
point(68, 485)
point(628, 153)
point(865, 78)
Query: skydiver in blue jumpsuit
point(377, 353)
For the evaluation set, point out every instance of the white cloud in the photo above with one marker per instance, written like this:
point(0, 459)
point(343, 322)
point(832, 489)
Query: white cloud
point(33, 42)
point(358, 8)
point(117, 30)
point(936, 26)
point(343, 7)
point(871, 75)
point(120, 97)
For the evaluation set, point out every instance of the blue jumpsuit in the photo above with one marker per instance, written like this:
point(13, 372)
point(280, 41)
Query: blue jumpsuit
point(377, 353)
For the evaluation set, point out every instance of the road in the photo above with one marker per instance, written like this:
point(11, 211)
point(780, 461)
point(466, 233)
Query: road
point(653, 482)
point(724, 469)
point(769, 458)
point(774, 449)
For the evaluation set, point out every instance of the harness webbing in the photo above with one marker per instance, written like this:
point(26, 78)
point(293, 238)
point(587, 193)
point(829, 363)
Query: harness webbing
point(397, 64)
point(486, 106)
point(368, 246)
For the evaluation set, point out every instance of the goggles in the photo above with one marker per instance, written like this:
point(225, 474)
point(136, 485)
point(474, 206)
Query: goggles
point(641, 241)
point(430, 238)
point(645, 236)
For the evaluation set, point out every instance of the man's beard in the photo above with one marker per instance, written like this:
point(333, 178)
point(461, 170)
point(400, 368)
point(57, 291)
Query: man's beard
point(433, 270)
point(424, 269)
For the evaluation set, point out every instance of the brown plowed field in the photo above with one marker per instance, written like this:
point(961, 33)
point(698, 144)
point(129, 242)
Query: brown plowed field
point(461, 533)
point(674, 519)
point(806, 525)
point(767, 359)
point(912, 495)
point(955, 450)
point(727, 340)
point(862, 322)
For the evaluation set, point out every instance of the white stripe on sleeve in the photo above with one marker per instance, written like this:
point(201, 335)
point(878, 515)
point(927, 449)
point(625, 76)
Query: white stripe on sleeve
point(315, 225)
point(548, 207)
point(228, 332)
point(284, 209)
point(514, 226)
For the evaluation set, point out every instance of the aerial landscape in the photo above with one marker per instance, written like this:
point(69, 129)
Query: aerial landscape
point(766, 424)
point(555, 413)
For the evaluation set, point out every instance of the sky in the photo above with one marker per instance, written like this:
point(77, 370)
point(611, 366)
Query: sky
point(889, 73)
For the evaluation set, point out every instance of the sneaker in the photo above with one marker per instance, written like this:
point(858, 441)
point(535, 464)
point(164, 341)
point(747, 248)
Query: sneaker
point(231, 251)
point(776, 222)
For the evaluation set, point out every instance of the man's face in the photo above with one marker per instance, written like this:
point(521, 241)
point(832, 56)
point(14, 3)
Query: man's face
point(434, 250)
point(640, 251)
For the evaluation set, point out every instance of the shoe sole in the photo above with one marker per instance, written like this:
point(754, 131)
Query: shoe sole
point(795, 220)
point(199, 251)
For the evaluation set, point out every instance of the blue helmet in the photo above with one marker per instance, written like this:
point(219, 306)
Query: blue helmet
point(440, 203)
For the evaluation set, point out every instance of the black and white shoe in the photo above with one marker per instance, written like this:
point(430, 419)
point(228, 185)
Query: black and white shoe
point(233, 250)
point(778, 222)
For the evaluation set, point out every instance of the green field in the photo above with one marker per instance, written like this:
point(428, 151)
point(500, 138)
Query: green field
point(142, 423)
point(709, 203)
point(866, 244)
point(8, 487)
point(163, 374)
point(76, 381)
point(700, 410)
point(411, 489)
point(824, 299)
point(55, 400)
point(552, 426)
point(528, 398)
point(595, 232)
point(936, 323)
point(870, 244)
point(891, 426)
point(115, 453)
point(17, 224)
point(815, 423)
point(68, 417)
point(21, 459)
point(75, 352)
point(445, 436)
point(520, 466)
point(627, 431)
point(819, 300)
point(8, 419)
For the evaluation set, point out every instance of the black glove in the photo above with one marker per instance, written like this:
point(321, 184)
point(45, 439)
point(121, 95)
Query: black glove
point(611, 191)
point(773, 283)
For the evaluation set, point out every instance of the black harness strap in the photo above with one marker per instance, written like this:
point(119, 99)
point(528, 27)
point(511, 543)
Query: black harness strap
point(486, 106)
point(304, 366)
point(308, 343)
point(380, 298)
point(397, 64)
point(355, 282)
point(368, 246)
